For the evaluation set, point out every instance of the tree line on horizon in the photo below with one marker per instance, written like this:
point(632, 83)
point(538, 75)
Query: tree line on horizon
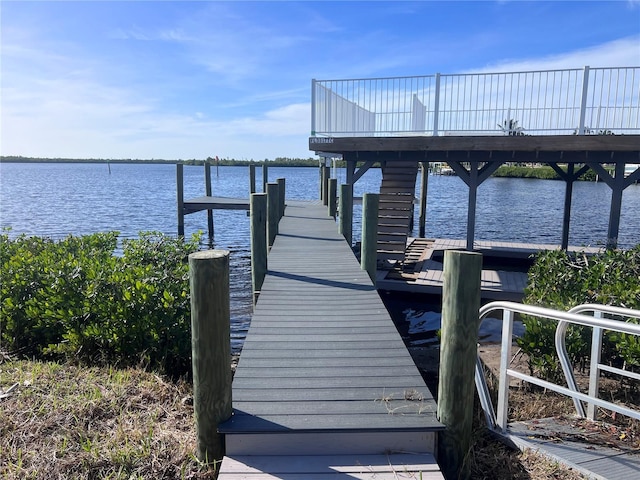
point(278, 161)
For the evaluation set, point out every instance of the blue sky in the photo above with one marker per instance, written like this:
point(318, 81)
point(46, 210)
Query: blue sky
point(179, 80)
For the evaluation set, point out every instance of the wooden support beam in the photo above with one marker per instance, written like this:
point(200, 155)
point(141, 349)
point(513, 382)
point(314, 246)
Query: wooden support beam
point(617, 189)
point(471, 208)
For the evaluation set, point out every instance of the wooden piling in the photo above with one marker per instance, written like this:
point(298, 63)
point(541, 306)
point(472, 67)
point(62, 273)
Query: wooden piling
point(346, 212)
point(207, 189)
point(281, 196)
point(332, 192)
point(325, 185)
point(369, 245)
point(265, 177)
point(180, 195)
point(458, 351)
point(258, 209)
point(273, 212)
point(422, 219)
point(211, 349)
point(252, 179)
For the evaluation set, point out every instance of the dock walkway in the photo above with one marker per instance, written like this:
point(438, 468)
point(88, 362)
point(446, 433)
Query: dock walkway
point(325, 386)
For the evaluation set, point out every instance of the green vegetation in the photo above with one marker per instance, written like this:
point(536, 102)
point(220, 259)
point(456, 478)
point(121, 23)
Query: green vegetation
point(74, 299)
point(563, 280)
point(543, 172)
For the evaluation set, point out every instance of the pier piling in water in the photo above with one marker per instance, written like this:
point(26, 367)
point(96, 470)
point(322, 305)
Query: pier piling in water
point(207, 187)
point(180, 197)
point(252, 179)
point(211, 348)
point(265, 177)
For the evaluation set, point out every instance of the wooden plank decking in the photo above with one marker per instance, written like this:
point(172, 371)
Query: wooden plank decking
point(323, 371)
point(215, 203)
point(496, 283)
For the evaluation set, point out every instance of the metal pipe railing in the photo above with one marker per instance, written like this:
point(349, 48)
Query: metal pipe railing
point(498, 418)
point(572, 101)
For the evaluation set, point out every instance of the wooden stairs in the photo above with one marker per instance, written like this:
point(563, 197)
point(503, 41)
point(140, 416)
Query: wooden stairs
point(395, 211)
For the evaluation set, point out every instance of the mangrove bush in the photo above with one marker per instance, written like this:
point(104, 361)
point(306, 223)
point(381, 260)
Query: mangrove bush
point(77, 299)
point(562, 280)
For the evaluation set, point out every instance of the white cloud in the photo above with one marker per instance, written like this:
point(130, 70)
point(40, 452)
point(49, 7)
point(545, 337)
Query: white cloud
point(624, 52)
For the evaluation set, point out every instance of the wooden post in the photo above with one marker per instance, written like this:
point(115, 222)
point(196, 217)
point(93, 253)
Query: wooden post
point(207, 189)
point(281, 196)
point(180, 195)
point(252, 179)
point(265, 177)
point(424, 172)
point(369, 245)
point(566, 218)
point(273, 212)
point(210, 348)
point(458, 351)
point(325, 185)
point(333, 187)
point(346, 212)
point(258, 204)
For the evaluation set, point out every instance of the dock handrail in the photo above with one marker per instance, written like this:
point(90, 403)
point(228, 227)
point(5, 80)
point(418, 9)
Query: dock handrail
point(579, 101)
point(498, 418)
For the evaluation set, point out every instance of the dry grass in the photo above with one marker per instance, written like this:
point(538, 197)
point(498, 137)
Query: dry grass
point(67, 422)
point(64, 421)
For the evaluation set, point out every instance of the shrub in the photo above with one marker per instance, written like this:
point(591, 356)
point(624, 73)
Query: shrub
point(76, 299)
point(563, 280)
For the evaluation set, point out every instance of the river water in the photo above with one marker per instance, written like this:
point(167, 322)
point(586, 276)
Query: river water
point(57, 199)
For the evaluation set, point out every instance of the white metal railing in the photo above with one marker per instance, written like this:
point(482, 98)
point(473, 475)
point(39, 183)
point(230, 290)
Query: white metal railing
point(573, 101)
point(498, 418)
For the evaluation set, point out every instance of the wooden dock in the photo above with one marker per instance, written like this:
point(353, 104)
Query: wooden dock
point(325, 387)
point(423, 269)
point(215, 203)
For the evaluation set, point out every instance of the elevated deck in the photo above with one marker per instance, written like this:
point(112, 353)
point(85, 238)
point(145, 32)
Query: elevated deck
point(325, 384)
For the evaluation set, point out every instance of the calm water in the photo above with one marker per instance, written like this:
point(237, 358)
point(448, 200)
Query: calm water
point(60, 199)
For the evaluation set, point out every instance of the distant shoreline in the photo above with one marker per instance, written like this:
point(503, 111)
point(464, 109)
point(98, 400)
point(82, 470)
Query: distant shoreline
point(278, 162)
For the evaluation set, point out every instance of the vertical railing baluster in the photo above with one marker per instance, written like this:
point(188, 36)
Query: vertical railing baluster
point(502, 417)
point(313, 107)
